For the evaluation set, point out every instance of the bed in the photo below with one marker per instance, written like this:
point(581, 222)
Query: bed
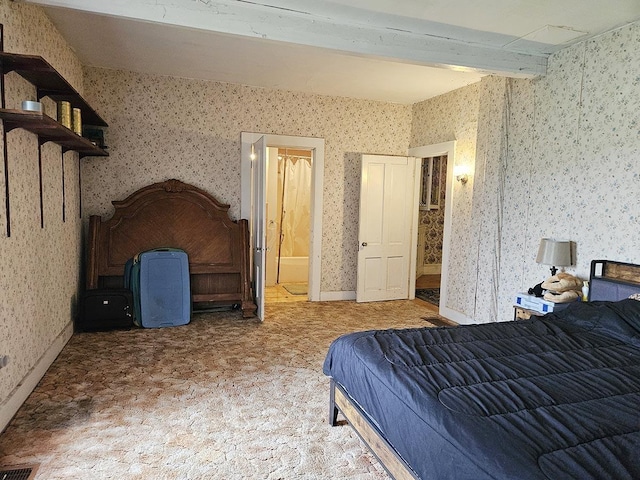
point(552, 397)
point(179, 215)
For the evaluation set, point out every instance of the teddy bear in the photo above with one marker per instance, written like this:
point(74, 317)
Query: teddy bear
point(562, 288)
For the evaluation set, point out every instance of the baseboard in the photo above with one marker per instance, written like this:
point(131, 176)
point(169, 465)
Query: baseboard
point(432, 269)
point(459, 318)
point(337, 296)
point(17, 397)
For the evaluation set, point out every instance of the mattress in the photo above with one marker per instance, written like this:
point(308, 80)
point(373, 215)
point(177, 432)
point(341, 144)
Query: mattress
point(548, 398)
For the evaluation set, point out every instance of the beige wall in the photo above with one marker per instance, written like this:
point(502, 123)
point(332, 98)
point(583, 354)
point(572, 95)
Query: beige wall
point(454, 116)
point(39, 274)
point(504, 129)
point(163, 127)
point(572, 161)
point(554, 157)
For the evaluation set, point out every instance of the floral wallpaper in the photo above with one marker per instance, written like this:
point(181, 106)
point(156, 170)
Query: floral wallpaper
point(454, 116)
point(488, 192)
point(163, 127)
point(586, 146)
point(580, 125)
point(433, 220)
point(555, 157)
point(40, 273)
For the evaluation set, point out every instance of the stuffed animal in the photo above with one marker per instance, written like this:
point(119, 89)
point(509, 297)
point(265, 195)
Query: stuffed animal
point(562, 282)
point(563, 297)
point(537, 290)
point(562, 288)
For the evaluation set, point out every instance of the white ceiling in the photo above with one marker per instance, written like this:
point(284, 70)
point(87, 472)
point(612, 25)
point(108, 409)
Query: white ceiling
point(401, 51)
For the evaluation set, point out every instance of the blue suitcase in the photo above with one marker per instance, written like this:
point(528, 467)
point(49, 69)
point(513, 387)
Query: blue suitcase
point(159, 280)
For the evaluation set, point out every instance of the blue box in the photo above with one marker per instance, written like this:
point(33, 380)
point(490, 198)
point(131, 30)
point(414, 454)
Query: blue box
point(538, 304)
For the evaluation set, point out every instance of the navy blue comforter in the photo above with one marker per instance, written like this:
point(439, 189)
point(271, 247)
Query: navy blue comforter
point(550, 398)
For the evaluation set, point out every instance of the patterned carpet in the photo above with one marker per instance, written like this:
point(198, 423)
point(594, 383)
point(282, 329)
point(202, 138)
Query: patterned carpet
point(221, 398)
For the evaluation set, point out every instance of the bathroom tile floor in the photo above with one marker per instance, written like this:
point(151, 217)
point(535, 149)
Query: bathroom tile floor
point(278, 294)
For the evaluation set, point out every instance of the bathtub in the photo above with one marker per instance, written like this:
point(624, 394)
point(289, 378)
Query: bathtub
point(294, 269)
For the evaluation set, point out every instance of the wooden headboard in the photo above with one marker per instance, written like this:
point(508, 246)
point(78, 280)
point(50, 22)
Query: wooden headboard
point(178, 215)
point(613, 281)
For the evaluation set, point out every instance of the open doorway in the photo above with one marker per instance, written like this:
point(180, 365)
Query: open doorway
point(433, 187)
point(437, 190)
point(288, 220)
point(253, 205)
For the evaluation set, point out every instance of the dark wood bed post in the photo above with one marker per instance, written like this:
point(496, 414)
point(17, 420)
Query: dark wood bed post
point(92, 267)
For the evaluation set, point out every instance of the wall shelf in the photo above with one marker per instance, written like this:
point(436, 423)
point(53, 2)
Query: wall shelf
point(48, 130)
point(49, 83)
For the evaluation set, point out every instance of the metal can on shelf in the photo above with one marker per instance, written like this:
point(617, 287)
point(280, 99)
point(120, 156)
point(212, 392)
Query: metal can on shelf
point(77, 121)
point(64, 113)
point(31, 106)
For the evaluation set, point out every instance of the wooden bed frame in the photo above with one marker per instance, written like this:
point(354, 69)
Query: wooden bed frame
point(178, 215)
point(390, 460)
point(602, 272)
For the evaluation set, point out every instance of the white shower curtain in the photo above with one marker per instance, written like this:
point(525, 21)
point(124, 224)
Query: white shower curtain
point(296, 208)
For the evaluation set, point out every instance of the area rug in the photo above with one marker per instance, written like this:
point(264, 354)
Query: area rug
point(296, 288)
point(431, 295)
point(438, 321)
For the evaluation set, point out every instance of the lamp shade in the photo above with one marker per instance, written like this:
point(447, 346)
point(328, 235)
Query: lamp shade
point(554, 252)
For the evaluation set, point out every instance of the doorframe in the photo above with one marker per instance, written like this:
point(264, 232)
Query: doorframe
point(435, 150)
point(316, 145)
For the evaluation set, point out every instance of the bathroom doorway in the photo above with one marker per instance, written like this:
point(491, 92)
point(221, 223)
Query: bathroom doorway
point(253, 175)
point(288, 220)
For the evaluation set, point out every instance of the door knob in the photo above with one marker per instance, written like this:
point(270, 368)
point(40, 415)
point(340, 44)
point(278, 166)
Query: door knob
point(364, 244)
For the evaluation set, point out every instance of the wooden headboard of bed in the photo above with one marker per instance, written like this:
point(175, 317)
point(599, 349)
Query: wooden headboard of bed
point(178, 215)
point(613, 281)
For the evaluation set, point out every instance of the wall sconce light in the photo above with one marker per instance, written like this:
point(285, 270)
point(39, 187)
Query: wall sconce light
point(461, 172)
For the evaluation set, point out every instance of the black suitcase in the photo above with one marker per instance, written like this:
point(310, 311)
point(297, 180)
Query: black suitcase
point(106, 309)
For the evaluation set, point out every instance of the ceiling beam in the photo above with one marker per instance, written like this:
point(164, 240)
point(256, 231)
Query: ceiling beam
point(372, 36)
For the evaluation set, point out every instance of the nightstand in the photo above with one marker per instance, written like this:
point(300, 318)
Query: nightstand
point(520, 313)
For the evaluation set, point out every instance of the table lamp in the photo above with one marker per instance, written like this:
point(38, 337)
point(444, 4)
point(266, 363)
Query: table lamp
point(556, 253)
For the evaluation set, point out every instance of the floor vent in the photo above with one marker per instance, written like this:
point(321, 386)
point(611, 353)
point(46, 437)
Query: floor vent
point(18, 472)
